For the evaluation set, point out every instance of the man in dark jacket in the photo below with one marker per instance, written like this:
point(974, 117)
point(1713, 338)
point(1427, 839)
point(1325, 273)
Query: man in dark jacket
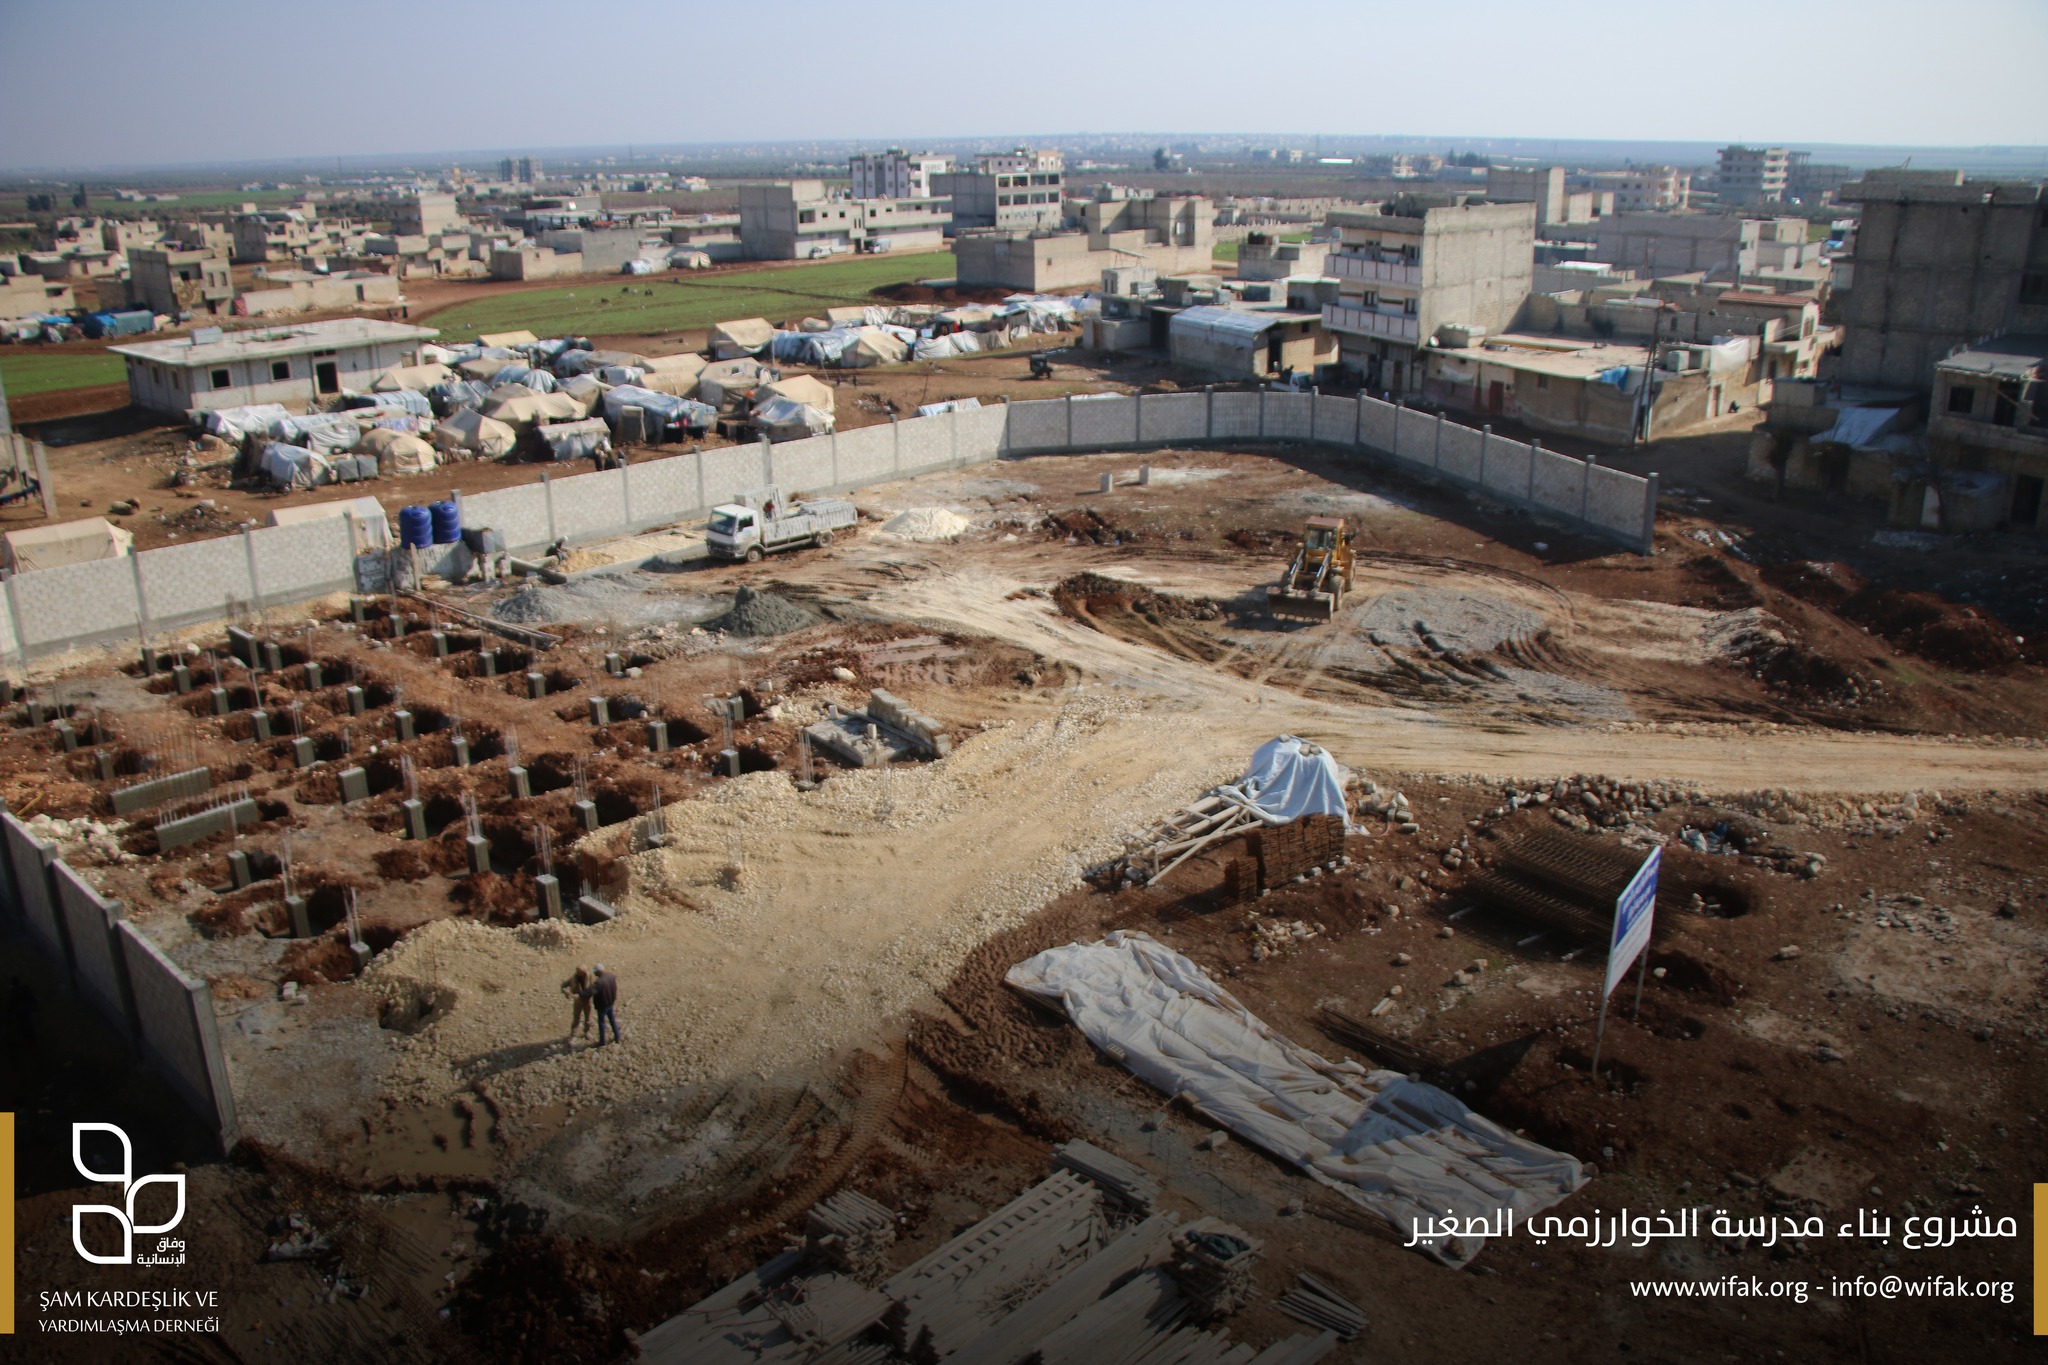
point(604, 997)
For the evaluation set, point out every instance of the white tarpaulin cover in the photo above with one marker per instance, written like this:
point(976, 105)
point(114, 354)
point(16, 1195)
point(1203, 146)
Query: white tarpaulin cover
point(330, 433)
point(952, 344)
point(232, 424)
point(419, 378)
point(1289, 778)
point(740, 337)
point(785, 419)
point(1858, 427)
point(1403, 1149)
point(289, 466)
point(398, 452)
point(801, 388)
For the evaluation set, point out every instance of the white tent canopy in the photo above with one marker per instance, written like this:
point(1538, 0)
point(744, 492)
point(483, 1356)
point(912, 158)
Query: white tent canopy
point(398, 452)
point(416, 378)
point(66, 542)
point(800, 388)
point(469, 432)
point(1402, 1149)
point(740, 337)
point(373, 528)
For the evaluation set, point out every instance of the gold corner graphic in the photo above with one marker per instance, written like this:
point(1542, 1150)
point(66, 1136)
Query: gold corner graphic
point(2041, 1260)
point(7, 1224)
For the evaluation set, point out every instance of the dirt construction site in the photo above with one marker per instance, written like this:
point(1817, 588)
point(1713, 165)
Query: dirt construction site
point(825, 817)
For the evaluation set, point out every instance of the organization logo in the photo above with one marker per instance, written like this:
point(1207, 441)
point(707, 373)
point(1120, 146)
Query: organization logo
point(130, 1186)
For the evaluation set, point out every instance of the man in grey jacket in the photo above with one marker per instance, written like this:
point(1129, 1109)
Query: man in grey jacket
point(604, 998)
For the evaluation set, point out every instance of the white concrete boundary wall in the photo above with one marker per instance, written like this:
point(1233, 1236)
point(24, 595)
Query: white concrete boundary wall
point(166, 1013)
point(56, 609)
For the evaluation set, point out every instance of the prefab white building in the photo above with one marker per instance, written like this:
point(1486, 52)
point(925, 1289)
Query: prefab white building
point(293, 365)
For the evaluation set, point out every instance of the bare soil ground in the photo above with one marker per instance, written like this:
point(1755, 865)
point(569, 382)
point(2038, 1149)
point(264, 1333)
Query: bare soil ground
point(811, 979)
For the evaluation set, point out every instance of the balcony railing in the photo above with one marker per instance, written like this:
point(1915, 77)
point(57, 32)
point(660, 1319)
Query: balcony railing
point(1371, 269)
point(1339, 317)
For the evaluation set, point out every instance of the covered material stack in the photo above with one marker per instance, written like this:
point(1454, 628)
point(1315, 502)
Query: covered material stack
point(851, 1233)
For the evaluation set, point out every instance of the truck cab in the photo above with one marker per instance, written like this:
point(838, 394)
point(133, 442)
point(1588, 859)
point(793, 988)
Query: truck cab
point(733, 531)
point(761, 521)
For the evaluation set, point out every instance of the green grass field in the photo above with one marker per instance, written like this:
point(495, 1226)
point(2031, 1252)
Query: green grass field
point(1227, 251)
point(645, 305)
point(25, 371)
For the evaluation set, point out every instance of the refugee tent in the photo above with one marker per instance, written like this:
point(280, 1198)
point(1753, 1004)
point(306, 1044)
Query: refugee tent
point(393, 400)
point(290, 466)
point(67, 542)
point(457, 394)
point(507, 340)
point(973, 317)
point(540, 381)
point(330, 433)
point(726, 378)
point(853, 315)
point(470, 433)
point(741, 337)
point(232, 424)
point(1043, 312)
point(518, 406)
point(950, 405)
point(621, 374)
point(785, 419)
point(640, 265)
point(686, 259)
point(814, 325)
point(585, 362)
point(682, 383)
point(418, 378)
point(952, 344)
point(874, 345)
point(485, 367)
point(585, 389)
point(398, 452)
point(431, 354)
point(682, 362)
point(822, 349)
point(372, 527)
point(575, 440)
point(802, 388)
point(667, 411)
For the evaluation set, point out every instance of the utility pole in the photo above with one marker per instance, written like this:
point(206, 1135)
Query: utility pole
point(1645, 400)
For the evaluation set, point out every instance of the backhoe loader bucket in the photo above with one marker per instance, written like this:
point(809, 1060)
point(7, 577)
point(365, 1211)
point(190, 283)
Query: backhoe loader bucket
point(1304, 606)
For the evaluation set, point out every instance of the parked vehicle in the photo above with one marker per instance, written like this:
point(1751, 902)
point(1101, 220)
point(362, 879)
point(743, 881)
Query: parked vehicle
point(761, 523)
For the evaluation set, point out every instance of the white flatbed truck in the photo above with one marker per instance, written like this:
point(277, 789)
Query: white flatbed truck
point(761, 523)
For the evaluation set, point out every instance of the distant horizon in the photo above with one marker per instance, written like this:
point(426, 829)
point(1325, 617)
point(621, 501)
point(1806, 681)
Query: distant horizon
point(238, 83)
point(1682, 152)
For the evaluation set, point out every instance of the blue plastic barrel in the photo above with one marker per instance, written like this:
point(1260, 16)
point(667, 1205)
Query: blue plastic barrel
point(415, 528)
point(447, 522)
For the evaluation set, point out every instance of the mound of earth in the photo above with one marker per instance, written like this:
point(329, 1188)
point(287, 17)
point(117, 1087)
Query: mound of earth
point(762, 613)
point(927, 523)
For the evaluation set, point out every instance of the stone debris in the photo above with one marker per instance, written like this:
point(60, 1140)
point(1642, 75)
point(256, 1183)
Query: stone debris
point(762, 613)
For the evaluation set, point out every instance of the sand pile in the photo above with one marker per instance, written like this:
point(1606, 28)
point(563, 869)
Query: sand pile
point(599, 597)
point(927, 523)
point(762, 613)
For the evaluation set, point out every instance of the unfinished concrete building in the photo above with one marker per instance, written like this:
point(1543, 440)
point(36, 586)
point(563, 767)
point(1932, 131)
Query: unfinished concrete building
point(1416, 264)
point(425, 214)
point(175, 282)
point(1019, 191)
point(1262, 256)
point(1169, 234)
point(897, 174)
point(1715, 245)
point(1752, 175)
point(1940, 261)
point(798, 220)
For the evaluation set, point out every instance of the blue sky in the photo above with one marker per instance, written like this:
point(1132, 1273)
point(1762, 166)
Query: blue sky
point(142, 82)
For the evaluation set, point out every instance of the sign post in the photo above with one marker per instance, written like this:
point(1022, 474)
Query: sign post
point(1633, 911)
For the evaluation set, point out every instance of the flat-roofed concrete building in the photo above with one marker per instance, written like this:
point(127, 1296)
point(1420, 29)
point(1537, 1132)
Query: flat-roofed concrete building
point(1415, 264)
point(426, 214)
point(1752, 175)
point(799, 221)
point(1017, 191)
point(172, 281)
point(897, 174)
point(1940, 261)
point(1165, 234)
point(290, 365)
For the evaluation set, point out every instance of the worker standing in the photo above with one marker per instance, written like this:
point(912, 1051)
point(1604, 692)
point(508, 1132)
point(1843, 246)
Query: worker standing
point(577, 988)
point(604, 997)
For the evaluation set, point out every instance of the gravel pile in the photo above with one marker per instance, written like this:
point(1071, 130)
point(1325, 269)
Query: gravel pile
point(1473, 622)
point(628, 597)
point(927, 523)
point(762, 613)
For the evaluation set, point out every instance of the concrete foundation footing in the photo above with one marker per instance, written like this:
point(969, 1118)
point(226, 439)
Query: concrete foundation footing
point(586, 815)
point(355, 785)
point(519, 786)
point(479, 850)
point(547, 896)
point(415, 812)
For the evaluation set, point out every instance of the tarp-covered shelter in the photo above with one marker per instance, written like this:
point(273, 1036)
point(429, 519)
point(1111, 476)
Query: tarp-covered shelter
point(232, 424)
point(741, 337)
point(518, 406)
point(682, 362)
point(469, 432)
point(330, 433)
point(290, 466)
point(724, 378)
point(372, 527)
point(417, 378)
point(585, 389)
point(875, 344)
point(1403, 1150)
point(785, 419)
point(540, 381)
point(398, 452)
point(507, 340)
point(665, 411)
point(801, 388)
point(456, 394)
point(575, 440)
point(67, 542)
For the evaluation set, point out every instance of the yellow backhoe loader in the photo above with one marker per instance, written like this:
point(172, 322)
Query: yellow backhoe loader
point(1320, 575)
